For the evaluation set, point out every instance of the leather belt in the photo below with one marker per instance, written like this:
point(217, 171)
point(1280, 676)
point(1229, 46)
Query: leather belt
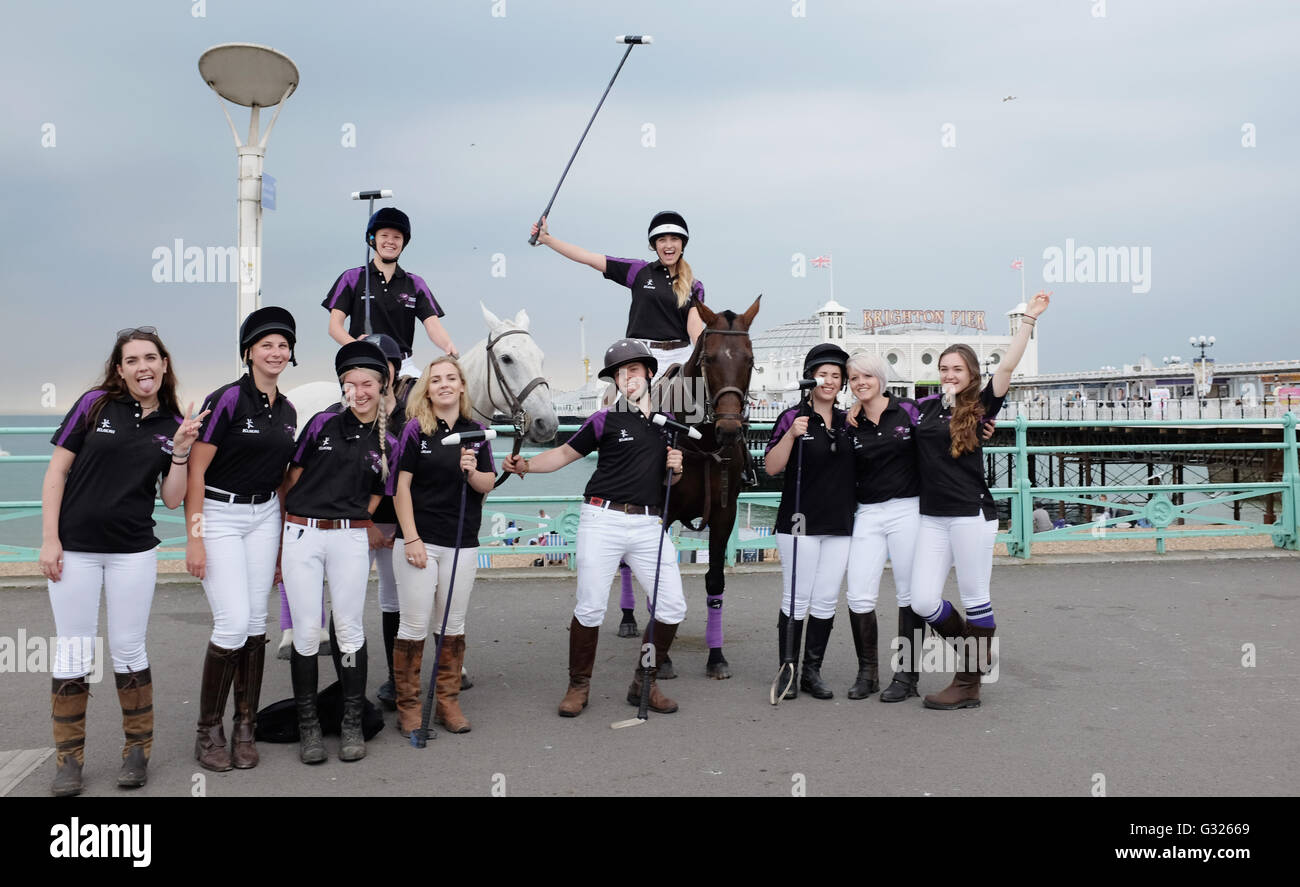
point(329, 524)
point(620, 506)
point(236, 499)
point(668, 345)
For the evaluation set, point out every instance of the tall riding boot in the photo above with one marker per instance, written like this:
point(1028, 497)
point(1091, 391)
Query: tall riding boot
point(973, 659)
point(68, 697)
point(911, 633)
point(218, 674)
point(135, 694)
point(408, 658)
point(352, 742)
point(248, 689)
point(303, 671)
point(447, 690)
point(783, 624)
point(582, 658)
point(866, 640)
point(819, 634)
point(664, 635)
point(387, 692)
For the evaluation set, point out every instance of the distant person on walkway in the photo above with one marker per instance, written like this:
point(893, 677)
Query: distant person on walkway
point(1042, 520)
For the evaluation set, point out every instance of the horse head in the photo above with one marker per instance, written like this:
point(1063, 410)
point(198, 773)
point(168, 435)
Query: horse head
point(722, 362)
point(503, 374)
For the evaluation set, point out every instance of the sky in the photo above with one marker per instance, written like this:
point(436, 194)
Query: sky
point(872, 132)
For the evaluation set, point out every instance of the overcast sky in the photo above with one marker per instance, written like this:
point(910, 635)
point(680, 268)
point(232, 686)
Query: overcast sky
point(774, 134)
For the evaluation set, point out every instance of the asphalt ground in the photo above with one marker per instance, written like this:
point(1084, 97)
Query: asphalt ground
point(1129, 676)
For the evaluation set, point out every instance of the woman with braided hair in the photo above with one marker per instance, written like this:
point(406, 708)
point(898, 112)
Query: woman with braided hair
point(958, 520)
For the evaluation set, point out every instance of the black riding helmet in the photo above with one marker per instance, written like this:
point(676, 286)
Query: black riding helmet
point(391, 349)
point(668, 222)
point(626, 351)
point(825, 353)
point(265, 322)
point(362, 354)
point(389, 217)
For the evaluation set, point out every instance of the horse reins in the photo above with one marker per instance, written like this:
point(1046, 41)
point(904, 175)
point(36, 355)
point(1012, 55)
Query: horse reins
point(518, 415)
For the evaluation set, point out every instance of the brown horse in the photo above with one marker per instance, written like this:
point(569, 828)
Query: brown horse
point(710, 393)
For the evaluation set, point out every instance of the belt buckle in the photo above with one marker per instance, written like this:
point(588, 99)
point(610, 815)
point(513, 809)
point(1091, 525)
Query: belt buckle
point(597, 501)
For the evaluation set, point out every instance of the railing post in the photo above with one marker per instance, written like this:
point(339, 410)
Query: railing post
point(1022, 500)
point(1291, 495)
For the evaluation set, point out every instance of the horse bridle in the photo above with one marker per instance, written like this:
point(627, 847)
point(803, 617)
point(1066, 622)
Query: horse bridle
point(515, 402)
point(711, 403)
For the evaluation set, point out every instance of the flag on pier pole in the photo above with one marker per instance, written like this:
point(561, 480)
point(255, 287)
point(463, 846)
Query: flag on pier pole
point(824, 261)
point(1019, 265)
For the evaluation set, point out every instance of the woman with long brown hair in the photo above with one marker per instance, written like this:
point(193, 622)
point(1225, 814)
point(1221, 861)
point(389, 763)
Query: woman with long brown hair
point(958, 520)
point(97, 500)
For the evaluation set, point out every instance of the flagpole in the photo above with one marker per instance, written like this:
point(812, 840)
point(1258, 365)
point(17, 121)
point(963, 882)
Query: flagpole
point(1022, 280)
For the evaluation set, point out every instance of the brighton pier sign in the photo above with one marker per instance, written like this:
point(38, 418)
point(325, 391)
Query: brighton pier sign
point(875, 318)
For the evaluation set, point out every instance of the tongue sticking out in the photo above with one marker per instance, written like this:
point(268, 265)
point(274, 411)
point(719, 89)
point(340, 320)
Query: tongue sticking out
point(146, 385)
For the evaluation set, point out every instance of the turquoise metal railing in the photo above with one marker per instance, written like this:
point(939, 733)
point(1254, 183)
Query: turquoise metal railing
point(1159, 512)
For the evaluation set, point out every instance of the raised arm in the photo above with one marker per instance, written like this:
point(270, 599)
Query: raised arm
point(1002, 378)
point(568, 250)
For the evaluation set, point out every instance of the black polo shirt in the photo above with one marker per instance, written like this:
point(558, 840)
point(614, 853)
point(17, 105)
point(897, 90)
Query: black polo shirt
point(654, 313)
point(827, 494)
point(631, 455)
point(884, 455)
point(436, 480)
point(395, 304)
point(952, 487)
point(254, 438)
point(340, 468)
point(109, 495)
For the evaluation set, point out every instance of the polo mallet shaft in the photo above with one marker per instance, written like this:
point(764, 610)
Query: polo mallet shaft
point(630, 41)
point(419, 737)
point(649, 656)
point(369, 195)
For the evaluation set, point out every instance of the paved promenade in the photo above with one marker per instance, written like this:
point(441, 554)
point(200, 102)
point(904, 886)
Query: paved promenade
point(1131, 672)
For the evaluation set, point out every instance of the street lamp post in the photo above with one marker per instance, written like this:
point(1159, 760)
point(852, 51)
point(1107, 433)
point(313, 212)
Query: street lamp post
point(1202, 380)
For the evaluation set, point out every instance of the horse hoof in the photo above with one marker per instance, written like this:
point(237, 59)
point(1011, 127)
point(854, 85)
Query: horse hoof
point(666, 671)
point(628, 629)
point(719, 671)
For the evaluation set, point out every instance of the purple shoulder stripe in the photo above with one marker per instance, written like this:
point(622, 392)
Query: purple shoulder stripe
point(422, 289)
point(225, 404)
point(912, 412)
point(348, 280)
point(928, 398)
point(634, 267)
point(783, 423)
point(597, 422)
point(79, 412)
point(309, 433)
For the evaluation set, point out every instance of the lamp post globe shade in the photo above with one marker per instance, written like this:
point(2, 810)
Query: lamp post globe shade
point(1191, 340)
point(248, 74)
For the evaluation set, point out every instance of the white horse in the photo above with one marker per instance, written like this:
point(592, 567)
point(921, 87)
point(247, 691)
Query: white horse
point(507, 380)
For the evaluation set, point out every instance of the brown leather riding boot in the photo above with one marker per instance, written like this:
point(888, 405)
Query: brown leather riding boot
point(973, 659)
point(218, 674)
point(447, 692)
point(248, 688)
point(582, 658)
point(68, 698)
point(408, 658)
point(664, 635)
point(135, 694)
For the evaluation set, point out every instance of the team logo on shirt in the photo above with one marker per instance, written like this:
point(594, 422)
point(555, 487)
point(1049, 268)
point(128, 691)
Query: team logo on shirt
point(624, 436)
point(248, 427)
point(164, 443)
point(903, 432)
point(324, 445)
point(649, 284)
point(424, 448)
point(406, 300)
point(290, 430)
point(106, 427)
point(374, 462)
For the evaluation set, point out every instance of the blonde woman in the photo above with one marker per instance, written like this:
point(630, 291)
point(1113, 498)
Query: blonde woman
point(426, 496)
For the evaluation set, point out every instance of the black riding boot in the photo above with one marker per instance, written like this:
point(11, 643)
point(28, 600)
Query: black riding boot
point(352, 742)
point(387, 691)
point(303, 671)
point(911, 631)
point(782, 625)
point(819, 634)
point(866, 642)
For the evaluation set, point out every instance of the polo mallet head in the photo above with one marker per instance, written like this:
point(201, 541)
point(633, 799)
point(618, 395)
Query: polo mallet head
point(664, 422)
point(634, 38)
point(420, 737)
point(459, 437)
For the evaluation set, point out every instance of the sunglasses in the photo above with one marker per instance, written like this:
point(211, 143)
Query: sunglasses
point(131, 331)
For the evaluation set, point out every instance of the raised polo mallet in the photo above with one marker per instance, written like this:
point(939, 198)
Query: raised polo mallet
point(420, 737)
point(648, 655)
point(785, 676)
point(631, 40)
point(372, 196)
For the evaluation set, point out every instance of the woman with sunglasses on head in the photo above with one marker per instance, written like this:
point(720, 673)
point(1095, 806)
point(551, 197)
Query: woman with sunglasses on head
point(97, 503)
point(233, 510)
point(427, 499)
point(336, 479)
point(958, 523)
point(824, 482)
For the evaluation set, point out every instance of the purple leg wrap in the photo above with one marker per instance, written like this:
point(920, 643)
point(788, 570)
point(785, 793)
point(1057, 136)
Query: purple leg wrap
point(627, 600)
point(713, 630)
point(286, 621)
point(940, 614)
